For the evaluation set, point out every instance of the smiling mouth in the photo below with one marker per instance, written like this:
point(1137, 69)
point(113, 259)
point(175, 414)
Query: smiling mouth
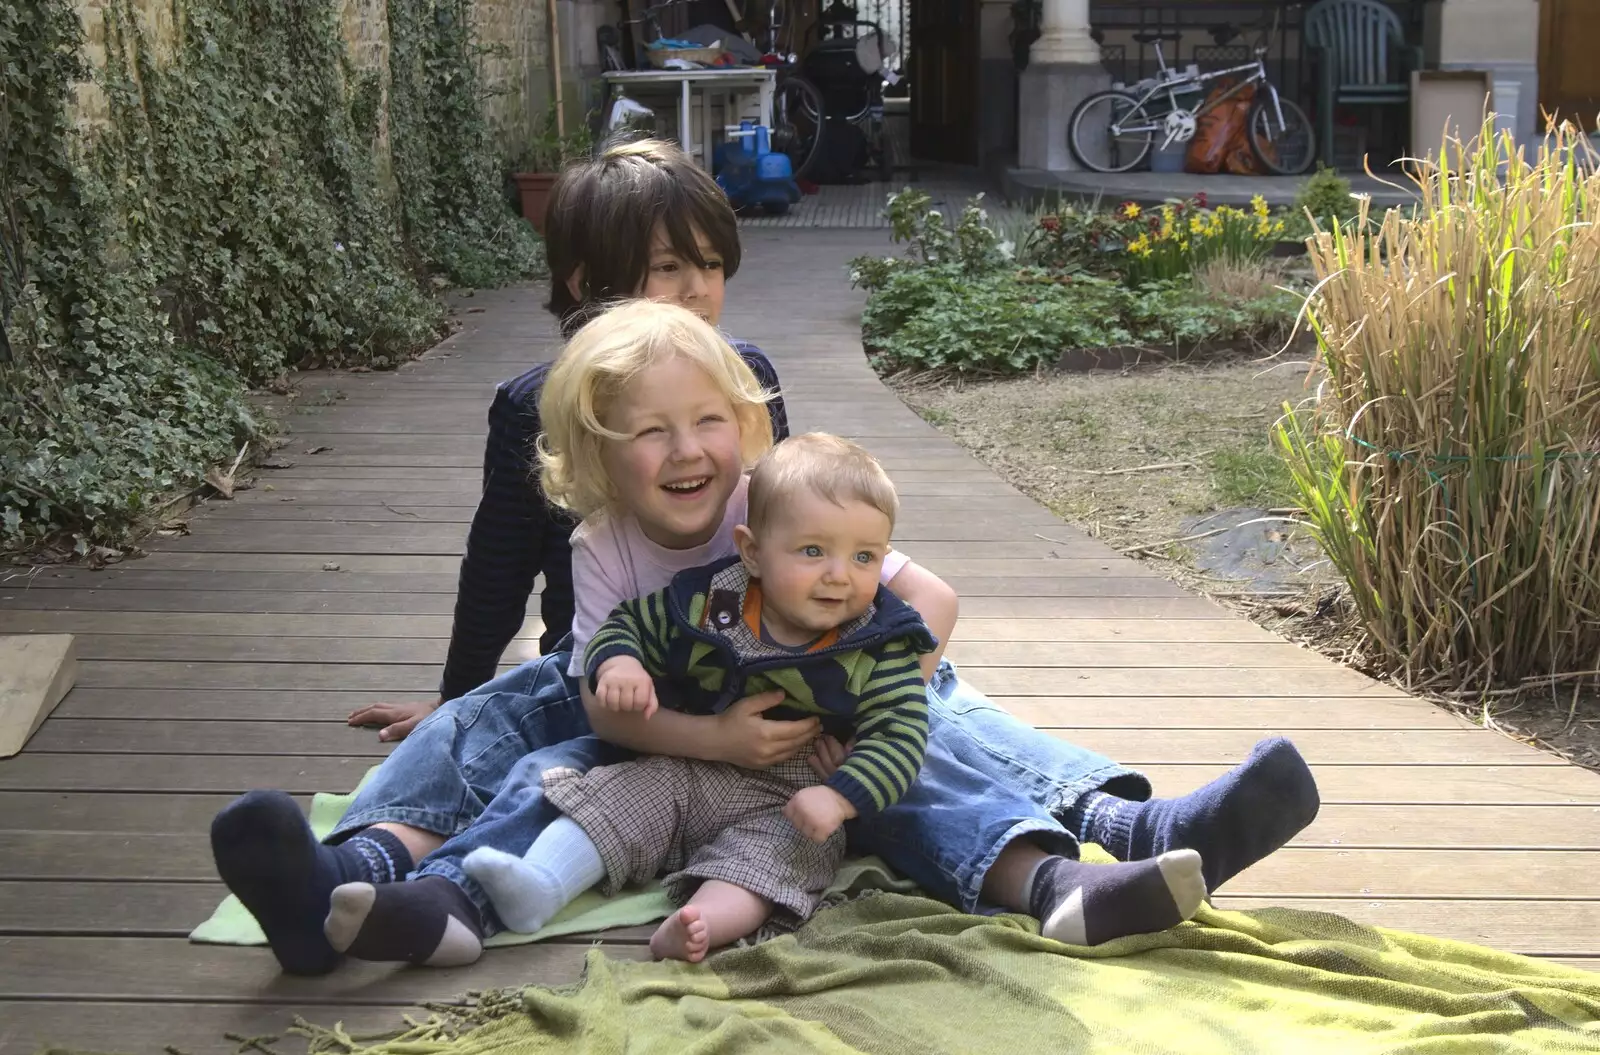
point(687, 488)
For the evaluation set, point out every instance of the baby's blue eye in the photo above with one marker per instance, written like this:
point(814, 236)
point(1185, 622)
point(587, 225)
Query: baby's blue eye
point(864, 557)
point(813, 551)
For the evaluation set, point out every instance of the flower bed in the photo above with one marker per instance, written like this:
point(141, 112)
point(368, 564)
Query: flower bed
point(968, 299)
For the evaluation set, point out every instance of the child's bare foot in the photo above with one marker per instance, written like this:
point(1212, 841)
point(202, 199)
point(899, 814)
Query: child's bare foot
point(682, 936)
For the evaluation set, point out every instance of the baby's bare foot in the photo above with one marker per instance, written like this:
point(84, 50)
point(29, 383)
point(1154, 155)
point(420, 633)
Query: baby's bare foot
point(682, 936)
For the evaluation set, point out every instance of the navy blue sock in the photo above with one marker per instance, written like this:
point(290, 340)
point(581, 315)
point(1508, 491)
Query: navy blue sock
point(266, 854)
point(1234, 821)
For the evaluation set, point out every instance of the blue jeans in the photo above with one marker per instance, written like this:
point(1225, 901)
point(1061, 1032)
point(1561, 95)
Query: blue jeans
point(987, 779)
point(443, 776)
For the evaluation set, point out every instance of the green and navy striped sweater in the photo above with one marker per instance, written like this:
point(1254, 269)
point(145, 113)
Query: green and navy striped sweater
point(700, 639)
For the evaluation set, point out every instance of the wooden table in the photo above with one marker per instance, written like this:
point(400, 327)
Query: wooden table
point(735, 81)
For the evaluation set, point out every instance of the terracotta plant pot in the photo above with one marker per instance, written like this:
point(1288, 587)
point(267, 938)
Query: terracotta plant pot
point(534, 190)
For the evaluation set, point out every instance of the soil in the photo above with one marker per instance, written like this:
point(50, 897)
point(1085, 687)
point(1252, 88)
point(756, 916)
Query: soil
point(1173, 464)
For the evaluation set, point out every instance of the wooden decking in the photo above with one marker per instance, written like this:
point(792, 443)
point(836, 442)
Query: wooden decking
point(228, 659)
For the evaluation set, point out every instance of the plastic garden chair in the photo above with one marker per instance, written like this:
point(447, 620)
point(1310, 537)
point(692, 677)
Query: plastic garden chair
point(1362, 58)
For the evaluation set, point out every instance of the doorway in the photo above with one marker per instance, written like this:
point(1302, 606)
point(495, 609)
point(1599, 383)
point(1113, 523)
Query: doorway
point(943, 60)
point(1569, 75)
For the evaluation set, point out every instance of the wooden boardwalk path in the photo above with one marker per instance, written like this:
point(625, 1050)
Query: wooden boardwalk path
point(227, 659)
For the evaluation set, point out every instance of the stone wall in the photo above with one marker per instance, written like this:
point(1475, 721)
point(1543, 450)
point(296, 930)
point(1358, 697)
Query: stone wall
point(515, 64)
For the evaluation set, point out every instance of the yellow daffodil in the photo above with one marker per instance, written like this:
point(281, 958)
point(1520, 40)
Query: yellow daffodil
point(1259, 204)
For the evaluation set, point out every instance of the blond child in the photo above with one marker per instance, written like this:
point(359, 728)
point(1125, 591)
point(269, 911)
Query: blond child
point(800, 610)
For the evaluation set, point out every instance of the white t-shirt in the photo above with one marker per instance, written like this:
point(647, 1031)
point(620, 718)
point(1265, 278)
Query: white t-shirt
point(613, 562)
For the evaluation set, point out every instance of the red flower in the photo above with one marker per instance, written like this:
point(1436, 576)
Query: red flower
point(1178, 208)
point(1200, 199)
point(1050, 223)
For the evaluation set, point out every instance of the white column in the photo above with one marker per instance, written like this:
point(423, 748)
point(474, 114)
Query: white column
point(1064, 35)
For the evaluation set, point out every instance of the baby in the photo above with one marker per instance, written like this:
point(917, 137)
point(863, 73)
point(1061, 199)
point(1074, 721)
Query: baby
point(799, 609)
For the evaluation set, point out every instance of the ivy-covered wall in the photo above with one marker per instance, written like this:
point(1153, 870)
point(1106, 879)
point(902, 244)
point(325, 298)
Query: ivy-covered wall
point(197, 195)
point(513, 62)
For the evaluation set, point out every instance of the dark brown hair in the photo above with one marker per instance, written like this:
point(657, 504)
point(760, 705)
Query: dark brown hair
point(604, 211)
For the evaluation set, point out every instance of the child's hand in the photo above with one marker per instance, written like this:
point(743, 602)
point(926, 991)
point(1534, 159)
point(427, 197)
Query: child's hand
point(395, 720)
point(827, 755)
point(624, 685)
point(818, 811)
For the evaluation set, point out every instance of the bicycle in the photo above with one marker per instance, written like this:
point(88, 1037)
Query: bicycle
point(1280, 135)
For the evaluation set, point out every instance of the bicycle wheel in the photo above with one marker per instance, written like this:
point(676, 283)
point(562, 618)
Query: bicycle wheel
point(1095, 136)
point(797, 115)
point(1283, 151)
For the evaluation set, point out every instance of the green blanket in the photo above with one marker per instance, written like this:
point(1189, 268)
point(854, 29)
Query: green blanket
point(230, 924)
point(890, 974)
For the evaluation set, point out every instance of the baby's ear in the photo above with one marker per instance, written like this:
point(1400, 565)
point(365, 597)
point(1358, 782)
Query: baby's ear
point(745, 540)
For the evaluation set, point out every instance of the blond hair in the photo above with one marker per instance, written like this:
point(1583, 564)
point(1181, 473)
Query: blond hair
point(595, 367)
point(829, 466)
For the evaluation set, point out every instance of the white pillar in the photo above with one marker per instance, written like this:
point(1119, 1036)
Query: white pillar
point(1064, 35)
point(1063, 69)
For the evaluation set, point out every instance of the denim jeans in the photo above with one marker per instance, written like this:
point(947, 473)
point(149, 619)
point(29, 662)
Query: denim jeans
point(443, 776)
point(515, 817)
point(986, 780)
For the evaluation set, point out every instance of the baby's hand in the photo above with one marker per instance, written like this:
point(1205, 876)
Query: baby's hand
point(818, 811)
point(624, 685)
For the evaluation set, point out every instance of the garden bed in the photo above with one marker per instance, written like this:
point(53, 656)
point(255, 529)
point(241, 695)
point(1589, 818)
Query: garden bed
point(1132, 372)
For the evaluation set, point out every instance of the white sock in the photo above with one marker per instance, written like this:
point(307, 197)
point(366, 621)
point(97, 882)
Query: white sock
point(527, 891)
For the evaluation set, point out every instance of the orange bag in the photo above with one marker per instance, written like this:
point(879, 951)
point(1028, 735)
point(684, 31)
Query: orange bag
point(1218, 129)
point(1241, 160)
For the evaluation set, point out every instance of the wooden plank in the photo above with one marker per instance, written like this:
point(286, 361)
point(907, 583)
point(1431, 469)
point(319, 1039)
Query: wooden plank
point(293, 602)
point(1466, 746)
point(1212, 712)
point(92, 626)
point(1085, 581)
point(1156, 712)
point(326, 649)
point(287, 602)
point(97, 813)
point(92, 815)
point(68, 856)
point(164, 968)
point(233, 774)
point(1330, 680)
point(151, 910)
point(138, 909)
point(36, 670)
point(1444, 784)
point(1405, 785)
point(141, 1028)
point(299, 602)
point(1480, 874)
point(1000, 681)
point(1532, 926)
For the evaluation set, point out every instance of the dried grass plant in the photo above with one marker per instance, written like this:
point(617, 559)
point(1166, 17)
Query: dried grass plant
point(1448, 464)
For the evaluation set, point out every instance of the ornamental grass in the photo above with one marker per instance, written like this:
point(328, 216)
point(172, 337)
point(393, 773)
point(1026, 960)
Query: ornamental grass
point(1448, 463)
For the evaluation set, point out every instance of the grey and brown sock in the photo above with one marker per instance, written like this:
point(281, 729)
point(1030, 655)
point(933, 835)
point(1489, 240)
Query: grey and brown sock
point(1088, 904)
point(428, 921)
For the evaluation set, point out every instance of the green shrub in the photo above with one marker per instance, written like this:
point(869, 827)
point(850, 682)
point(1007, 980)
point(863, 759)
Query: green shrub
point(1325, 198)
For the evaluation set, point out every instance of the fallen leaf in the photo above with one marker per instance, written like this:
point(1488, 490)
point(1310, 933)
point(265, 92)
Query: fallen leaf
point(318, 450)
point(268, 487)
point(220, 482)
point(276, 463)
point(330, 566)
